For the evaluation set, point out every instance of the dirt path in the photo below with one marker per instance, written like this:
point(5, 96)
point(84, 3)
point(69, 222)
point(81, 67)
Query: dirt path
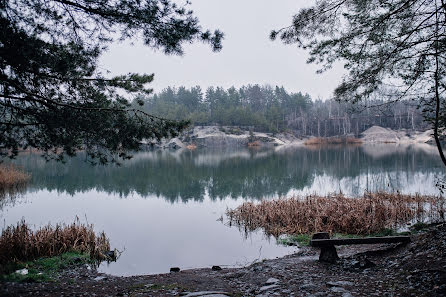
point(416, 269)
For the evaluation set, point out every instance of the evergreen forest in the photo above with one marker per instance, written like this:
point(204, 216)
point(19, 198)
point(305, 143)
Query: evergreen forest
point(273, 109)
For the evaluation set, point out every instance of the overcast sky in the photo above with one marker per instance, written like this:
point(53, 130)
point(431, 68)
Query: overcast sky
point(248, 55)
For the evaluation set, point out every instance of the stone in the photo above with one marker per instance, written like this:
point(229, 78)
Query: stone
point(338, 290)
point(367, 264)
point(339, 284)
point(175, 269)
point(271, 281)
point(23, 271)
point(206, 294)
point(216, 268)
point(308, 287)
point(267, 288)
point(111, 255)
point(99, 278)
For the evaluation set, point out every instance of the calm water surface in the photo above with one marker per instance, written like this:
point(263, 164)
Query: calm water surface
point(164, 208)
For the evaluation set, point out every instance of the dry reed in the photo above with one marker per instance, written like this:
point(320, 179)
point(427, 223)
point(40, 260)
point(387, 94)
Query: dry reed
point(20, 243)
point(337, 213)
point(11, 176)
point(254, 144)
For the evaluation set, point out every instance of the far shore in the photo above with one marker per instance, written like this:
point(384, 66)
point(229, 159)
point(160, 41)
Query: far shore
point(228, 136)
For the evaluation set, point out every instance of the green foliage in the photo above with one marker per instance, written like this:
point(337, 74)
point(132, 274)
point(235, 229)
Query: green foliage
point(43, 269)
point(299, 239)
point(260, 107)
point(267, 109)
point(54, 98)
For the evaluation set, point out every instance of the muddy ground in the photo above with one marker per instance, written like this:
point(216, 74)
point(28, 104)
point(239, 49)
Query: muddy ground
point(414, 269)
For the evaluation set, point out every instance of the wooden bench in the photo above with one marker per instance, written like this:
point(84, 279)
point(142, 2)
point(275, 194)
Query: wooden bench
point(327, 245)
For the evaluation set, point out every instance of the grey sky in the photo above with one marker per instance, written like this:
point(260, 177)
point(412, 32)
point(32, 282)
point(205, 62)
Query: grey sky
point(248, 56)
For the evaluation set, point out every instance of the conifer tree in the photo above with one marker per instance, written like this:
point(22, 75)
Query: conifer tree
point(53, 96)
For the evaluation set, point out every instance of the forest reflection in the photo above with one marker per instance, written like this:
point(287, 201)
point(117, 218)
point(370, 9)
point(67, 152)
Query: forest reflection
point(251, 174)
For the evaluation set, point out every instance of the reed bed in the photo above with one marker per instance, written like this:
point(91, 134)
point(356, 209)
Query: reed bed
point(254, 144)
point(11, 176)
point(21, 243)
point(332, 140)
point(337, 214)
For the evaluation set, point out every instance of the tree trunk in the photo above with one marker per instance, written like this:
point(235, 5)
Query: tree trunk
point(437, 101)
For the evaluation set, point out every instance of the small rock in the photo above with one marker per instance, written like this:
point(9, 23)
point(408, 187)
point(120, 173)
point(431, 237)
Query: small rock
point(271, 281)
point(356, 264)
point(339, 284)
point(175, 269)
point(23, 271)
point(111, 255)
point(257, 269)
point(267, 288)
point(98, 278)
point(216, 268)
point(339, 290)
point(308, 287)
point(206, 294)
point(367, 264)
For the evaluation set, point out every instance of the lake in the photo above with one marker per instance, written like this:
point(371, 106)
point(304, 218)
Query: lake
point(167, 208)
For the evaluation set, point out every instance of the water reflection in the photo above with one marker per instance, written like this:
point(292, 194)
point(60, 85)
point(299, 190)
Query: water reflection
point(160, 233)
point(188, 175)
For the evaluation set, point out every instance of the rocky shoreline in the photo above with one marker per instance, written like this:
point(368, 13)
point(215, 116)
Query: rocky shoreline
point(215, 136)
point(414, 269)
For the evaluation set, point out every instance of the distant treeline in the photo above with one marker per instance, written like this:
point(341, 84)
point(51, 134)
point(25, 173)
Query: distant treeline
point(268, 109)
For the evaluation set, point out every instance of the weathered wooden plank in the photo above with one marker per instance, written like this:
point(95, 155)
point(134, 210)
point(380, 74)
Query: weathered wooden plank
point(365, 240)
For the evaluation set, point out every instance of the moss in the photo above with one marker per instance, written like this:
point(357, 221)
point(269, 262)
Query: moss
point(43, 269)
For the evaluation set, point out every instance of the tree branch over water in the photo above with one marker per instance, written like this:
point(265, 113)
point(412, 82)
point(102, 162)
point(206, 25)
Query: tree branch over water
point(49, 74)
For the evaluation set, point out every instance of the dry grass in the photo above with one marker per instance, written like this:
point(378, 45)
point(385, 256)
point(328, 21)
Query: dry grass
point(332, 140)
point(254, 144)
point(11, 176)
point(369, 214)
point(20, 243)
